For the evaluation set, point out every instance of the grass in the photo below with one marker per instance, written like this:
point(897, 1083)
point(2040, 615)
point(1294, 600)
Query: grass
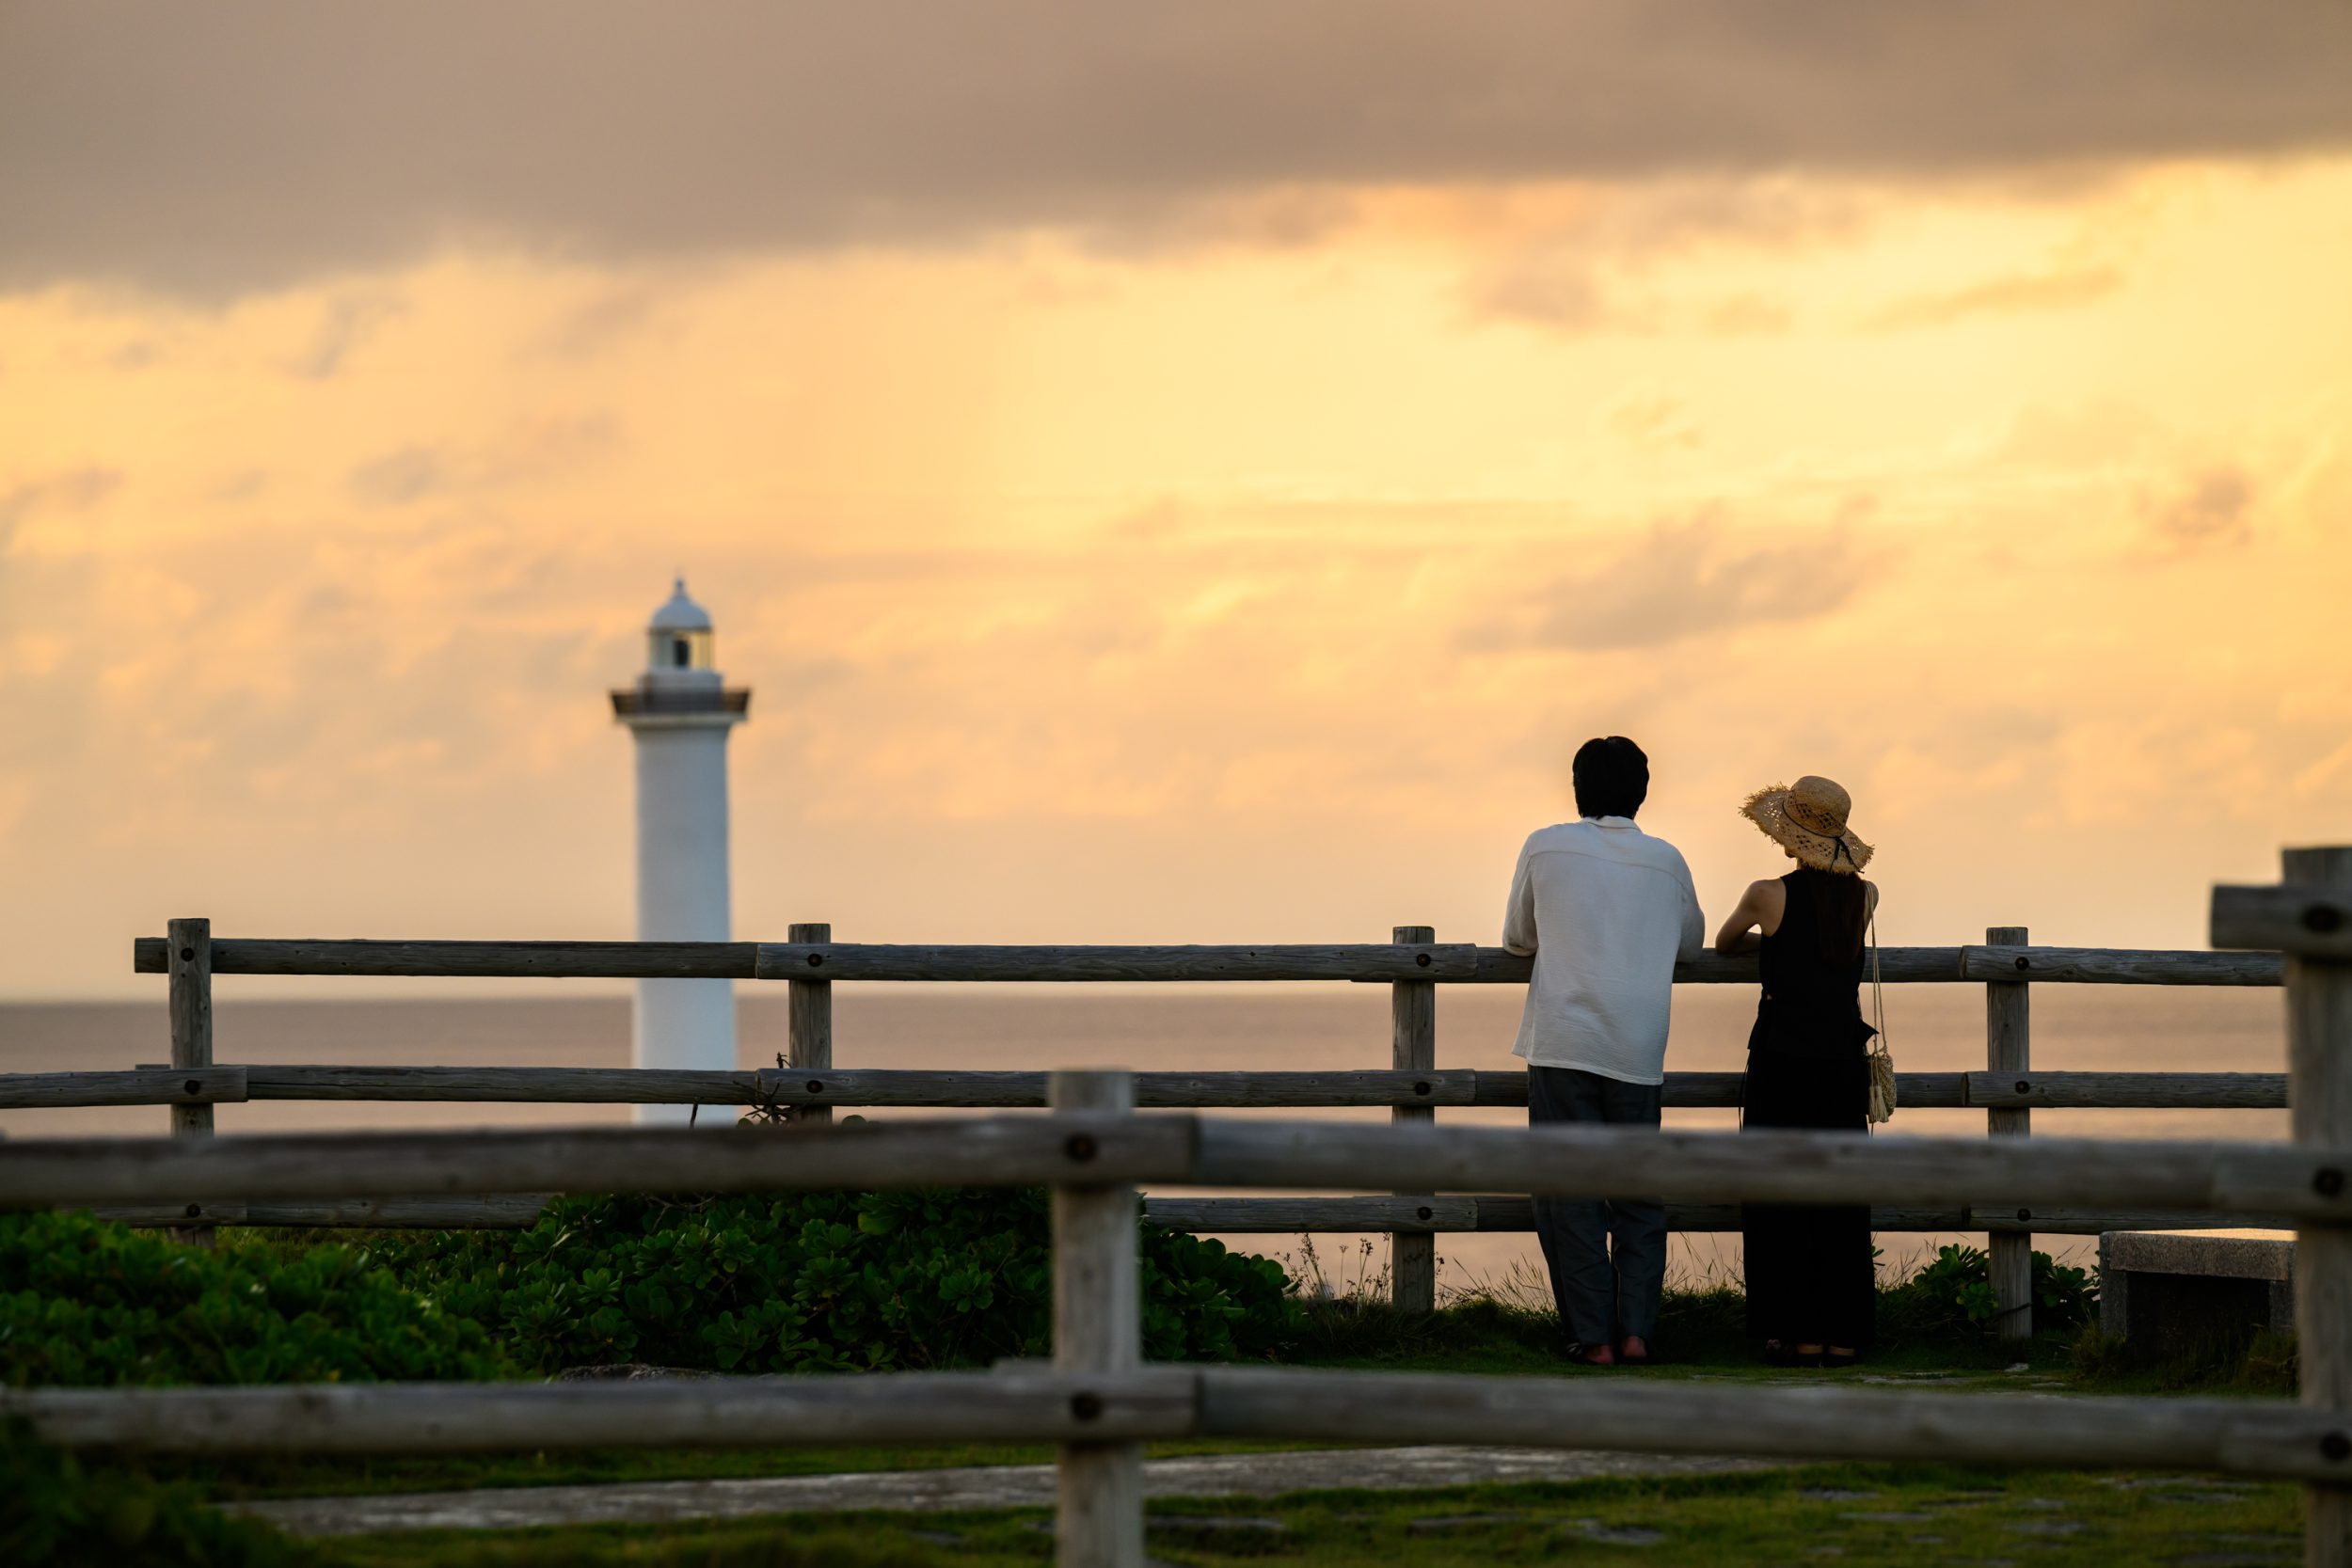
point(1858, 1517)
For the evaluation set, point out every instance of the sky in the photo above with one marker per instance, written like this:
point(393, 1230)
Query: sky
point(1169, 474)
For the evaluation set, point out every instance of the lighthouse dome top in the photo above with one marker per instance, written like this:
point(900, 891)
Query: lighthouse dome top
point(679, 614)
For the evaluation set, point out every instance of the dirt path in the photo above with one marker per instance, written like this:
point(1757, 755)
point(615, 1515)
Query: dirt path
point(948, 1490)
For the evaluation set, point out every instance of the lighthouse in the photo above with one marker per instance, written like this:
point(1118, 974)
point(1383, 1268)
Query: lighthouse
point(680, 713)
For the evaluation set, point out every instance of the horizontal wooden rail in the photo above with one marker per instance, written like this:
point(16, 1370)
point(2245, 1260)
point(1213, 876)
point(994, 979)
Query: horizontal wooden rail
point(1510, 1212)
point(2121, 966)
point(1457, 962)
point(1266, 1216)
point(2234, 1436)
point(148, 1086)
point(946, 1090)
point(2268, 1180)
point(1024, 1406)
point(2303, 1182)
point(490, 1212)
point(1644, 1415)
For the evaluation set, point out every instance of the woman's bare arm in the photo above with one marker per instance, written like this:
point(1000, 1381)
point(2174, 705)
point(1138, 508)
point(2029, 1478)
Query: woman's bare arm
point(1757, 911)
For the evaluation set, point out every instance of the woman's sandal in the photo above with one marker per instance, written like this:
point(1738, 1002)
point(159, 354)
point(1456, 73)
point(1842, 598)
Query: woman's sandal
point(1584, 1354)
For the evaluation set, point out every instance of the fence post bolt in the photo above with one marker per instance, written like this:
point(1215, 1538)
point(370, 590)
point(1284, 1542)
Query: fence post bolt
point(2009, 1050)
point(808, 1021)
point(1097, 1329)
point(1413, 1011)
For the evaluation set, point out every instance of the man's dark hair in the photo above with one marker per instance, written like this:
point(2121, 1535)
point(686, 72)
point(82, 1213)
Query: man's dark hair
point(1611, 777)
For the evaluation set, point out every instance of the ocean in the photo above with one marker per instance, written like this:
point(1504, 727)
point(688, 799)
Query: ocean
point(1197, 1028)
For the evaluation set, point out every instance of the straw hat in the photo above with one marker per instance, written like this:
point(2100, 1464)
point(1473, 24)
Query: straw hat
point(1808, 819)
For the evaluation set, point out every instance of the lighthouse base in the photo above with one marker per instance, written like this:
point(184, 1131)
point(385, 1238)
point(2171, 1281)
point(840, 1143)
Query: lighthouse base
point(684, 1026)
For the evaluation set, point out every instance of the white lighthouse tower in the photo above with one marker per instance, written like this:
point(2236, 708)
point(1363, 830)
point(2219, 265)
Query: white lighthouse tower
point(680, 713)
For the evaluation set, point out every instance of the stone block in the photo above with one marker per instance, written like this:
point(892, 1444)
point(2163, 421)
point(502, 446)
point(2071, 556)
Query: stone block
point(2170, 1294)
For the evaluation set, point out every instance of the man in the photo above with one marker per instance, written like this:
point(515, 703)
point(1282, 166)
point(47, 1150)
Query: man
point(1605, 910)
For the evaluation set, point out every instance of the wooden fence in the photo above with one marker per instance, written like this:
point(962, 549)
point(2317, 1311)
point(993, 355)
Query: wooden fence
point(1099, 1403)
point(1412, 965)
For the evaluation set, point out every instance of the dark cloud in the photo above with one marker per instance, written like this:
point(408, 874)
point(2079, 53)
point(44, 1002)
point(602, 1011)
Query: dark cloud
point(239, 143)
point(2210, 507)
point(1686, 580)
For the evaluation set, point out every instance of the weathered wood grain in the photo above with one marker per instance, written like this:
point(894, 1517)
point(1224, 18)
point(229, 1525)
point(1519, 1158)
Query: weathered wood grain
point(1776, 1167)
point(2300, 917)
point(1413, 1047)
point(567, 1085)
point(2257, 1091)
point(1779, 1168)
point(713, 961)
point(991, 1152)
point(1086, 963)
point(189, 962)
point(1295, 1216)
point(1097, 1334)
point(2116, 966)
point(808, 1025)
point(495, 1212)
point(1029, 1405)
point(1510, 1212)
point(174, 1216)
point(852, 1086)
point(2009, 1049)
point(1907, 965)
point(1450, 962)
point(2319, 1062)
point(1949, 1090)
point(152, 1085)
point(1644, 1414)
point(950, 1089)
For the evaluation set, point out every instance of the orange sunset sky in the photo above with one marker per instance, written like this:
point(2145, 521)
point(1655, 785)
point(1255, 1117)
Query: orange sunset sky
point(1183, 473)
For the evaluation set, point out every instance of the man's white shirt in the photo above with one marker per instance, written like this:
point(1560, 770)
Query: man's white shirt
point(1606, 909)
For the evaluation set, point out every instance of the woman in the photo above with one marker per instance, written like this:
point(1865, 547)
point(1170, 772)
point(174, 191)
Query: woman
point(1811, 1283)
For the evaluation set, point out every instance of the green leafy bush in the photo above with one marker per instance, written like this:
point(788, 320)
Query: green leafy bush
point(823, 1282)
point(61, 1512)
point(1953, 1294)
point(83, 1301)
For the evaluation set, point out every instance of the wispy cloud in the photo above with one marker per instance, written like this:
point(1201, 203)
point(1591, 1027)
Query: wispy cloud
point(1684, 580)
point(74, 491)
point(2046, 291)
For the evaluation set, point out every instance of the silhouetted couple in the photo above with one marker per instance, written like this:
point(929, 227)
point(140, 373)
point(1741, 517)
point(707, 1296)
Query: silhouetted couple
point(1606, 911)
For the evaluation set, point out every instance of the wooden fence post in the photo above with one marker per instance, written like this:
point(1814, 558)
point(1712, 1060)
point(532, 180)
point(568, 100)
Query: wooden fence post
point(1098, 1328)
point(1413, 1014)
point(189, 963)
point(2319, 1102)
point(808, 1019)
point(2009, 1049)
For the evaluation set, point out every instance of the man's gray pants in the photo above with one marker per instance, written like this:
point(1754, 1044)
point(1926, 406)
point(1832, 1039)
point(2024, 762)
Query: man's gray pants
point(1601, 1300)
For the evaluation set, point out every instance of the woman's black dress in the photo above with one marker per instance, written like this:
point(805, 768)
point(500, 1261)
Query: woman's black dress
point(1809, 1273)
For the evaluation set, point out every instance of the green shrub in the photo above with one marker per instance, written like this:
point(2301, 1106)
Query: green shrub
point(1952, 1296)
point(83, 1301)
point(823, 1282)
point(60, 1512)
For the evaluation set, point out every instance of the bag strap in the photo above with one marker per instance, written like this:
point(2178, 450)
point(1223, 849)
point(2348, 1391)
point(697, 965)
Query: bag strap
point(1877, 994)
